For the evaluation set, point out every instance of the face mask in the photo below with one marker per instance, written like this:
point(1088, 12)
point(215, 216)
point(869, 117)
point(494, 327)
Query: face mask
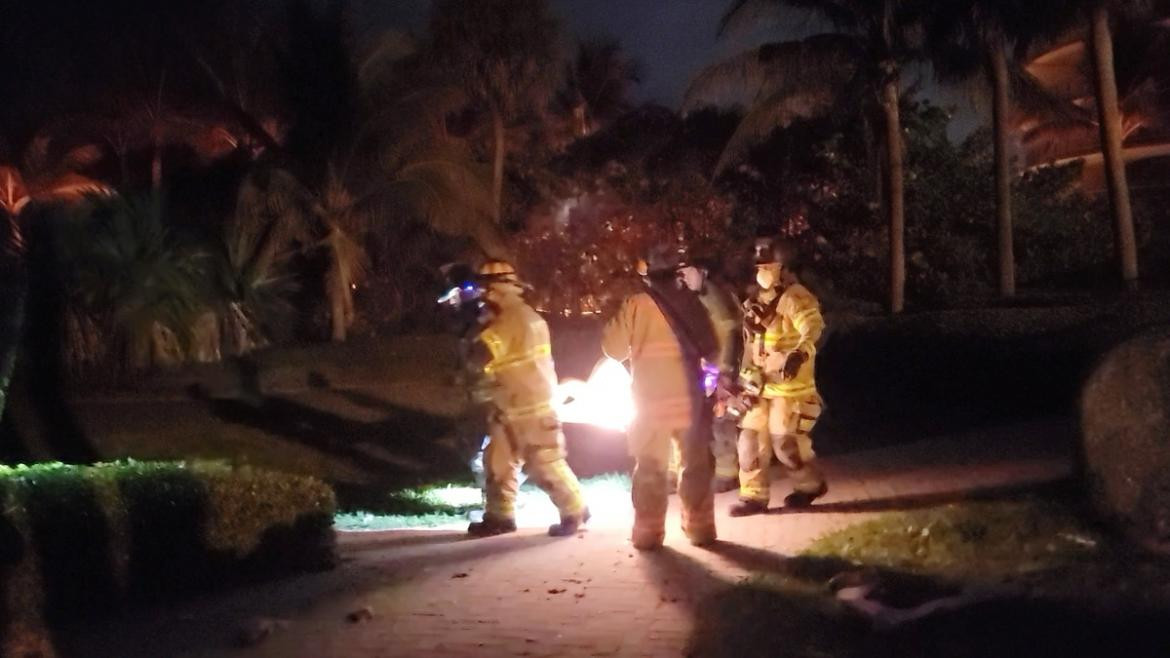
point(766, 278)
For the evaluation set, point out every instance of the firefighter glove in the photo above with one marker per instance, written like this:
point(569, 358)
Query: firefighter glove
point(792, 364)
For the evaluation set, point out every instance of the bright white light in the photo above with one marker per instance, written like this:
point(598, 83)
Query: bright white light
point(608, 499)
point(603, 401)
point(456, 496)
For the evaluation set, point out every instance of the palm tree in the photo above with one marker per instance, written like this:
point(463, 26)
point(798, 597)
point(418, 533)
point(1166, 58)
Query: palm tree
point(1109, 119)
point(278, 215)
point(598, 82)
point(781, 82)
point(1096, 17)
point(13, 290)
point(966, 38)
point(498, 51)
point(137, 277)
point(39, 178)
point(412, 175)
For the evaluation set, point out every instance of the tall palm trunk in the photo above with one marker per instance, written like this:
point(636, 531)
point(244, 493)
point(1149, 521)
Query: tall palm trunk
point(499, 147)
point(895, 205)
point(156, 165)
point(1003, 183)
point(14, 292)
point(491, 241)
point(338, 288)
point(1109, 118)
point(13, 277)
point(340, 301)
point(156, 169)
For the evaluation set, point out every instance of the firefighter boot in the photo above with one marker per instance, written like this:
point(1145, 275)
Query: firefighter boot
point(805, 498)
point(569, 525)
point(748, 508)
point(490, 526)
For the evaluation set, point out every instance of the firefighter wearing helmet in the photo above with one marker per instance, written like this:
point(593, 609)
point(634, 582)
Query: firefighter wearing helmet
point(664, 332)
point(523, 427)
point(702, 275)
point(782, 324)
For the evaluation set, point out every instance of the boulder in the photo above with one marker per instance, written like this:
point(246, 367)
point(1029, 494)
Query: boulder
point(1125, 429)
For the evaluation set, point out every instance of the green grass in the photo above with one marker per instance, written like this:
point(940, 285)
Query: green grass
point(969, 540)
point(769, 615)
point(430, 506)
point(1060, 564)
point(448, 504)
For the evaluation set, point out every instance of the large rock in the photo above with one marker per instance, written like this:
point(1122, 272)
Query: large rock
point(1125, 422)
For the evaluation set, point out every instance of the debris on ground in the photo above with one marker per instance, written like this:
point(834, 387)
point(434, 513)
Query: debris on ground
point(257, 629)
point(891, 600)
point(364, 613)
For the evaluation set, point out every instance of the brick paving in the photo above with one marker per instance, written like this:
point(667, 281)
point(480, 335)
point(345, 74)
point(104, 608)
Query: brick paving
point(437, 593)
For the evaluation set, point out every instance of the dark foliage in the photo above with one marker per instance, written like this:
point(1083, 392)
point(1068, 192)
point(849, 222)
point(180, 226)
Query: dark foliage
point(81, 540)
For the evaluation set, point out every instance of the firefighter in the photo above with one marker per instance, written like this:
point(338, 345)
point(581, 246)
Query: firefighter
point(664, 332)
point(465, 316)
point(782, 323)
point(523, 426)
point(723, 309)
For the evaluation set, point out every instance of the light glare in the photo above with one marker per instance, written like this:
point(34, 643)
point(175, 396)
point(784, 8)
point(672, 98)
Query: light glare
point(605, 400)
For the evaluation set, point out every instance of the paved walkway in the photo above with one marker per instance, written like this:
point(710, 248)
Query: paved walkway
point(438, 593)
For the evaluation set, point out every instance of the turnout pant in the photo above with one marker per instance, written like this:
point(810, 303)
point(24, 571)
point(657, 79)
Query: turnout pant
point(650, 446)
point(723, 449)
point(537, 445)
point(779, 426)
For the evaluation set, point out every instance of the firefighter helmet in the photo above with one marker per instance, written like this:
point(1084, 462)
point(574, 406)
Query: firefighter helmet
point(773, 251)
point(494, 271)
point(666, 258)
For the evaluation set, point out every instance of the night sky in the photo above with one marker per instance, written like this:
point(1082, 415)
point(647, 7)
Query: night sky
point(671, 39)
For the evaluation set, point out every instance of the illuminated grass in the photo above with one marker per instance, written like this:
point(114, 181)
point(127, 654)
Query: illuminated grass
point(449, 504)
point(975, 540)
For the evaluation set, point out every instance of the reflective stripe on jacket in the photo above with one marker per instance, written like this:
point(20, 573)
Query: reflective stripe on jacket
point(797, 325)
point(521, 361)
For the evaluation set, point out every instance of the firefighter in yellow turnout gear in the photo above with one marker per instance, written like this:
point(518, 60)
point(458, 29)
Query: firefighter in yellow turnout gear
point(782, 324)
point(523, 427)
point(664, 332)
point(723, 309)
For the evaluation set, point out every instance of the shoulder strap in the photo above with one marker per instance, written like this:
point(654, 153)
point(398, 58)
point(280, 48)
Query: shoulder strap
point(692, 344)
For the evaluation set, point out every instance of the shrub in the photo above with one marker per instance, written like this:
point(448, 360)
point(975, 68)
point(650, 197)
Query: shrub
point(75, 539)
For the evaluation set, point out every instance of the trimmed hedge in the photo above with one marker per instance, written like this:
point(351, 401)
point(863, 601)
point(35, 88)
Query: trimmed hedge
point(77, 539)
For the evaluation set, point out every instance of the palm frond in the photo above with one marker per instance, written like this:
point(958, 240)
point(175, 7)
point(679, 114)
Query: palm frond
point(845, 15)
point(1032, 98)
point(380, 65)
point(81, 157)
point(775, 113)
point(14, 195)
point(735, 16)
point(131, 268)
point(451, 197)
point(70, 187)
point(774, 69)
